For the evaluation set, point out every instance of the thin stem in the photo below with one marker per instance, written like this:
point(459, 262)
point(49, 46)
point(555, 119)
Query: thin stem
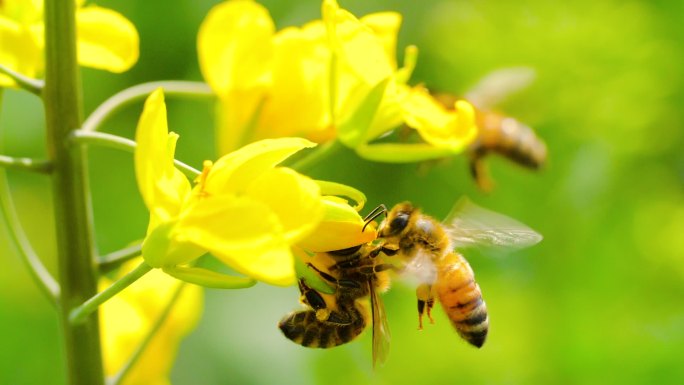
point(122, 144)
point(35, 266)
point(26, 164)
point(140, 91)
point(118, 378)
point(33, 86)
point(80, 313)
point(317, 156)
point(75, 244)
point(113, 260)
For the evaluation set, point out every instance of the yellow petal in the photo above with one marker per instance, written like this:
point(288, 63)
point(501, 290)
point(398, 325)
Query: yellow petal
point(23, 11)
point(294, 198)
point(234, 44)
point(20, 50)
point(233, 172)
point(340, 228)
point(441, 128)
point(358, 48)
point(106, 39)
point(385, 25)
point(161, 185)
point(300, 80)
point(243, 233)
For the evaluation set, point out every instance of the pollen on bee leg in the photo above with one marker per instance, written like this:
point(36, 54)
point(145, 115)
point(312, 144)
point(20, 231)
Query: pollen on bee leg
point(322, 314)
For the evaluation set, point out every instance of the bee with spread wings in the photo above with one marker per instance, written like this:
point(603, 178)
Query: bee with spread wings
point(427, 249)
point(423, 248)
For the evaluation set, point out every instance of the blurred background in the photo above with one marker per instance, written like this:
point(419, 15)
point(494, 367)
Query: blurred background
point(599, 301)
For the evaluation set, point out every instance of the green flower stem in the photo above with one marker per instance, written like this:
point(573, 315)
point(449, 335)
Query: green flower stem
point(122, 144)
point(35, 266)
point(118, 378)
point(81, 313)
point(317, 156)
point(26, 164)
point(33, 86)
point(141, 91)
point(113, 260)
point(73, 223)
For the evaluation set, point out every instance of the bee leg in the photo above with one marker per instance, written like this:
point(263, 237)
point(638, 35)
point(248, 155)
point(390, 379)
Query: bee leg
point(311, 297)
point(387, 249)
point(425, 302)
point(480, 172)
point(345, 283)
point(373, 269)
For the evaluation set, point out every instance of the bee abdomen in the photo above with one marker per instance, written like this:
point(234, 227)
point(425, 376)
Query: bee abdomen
point(463, 303)
point(305, 329)
point(474, 327)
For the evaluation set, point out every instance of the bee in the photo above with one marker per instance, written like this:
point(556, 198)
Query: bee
point(427, 248)
point(498, 133)
point(331, 320)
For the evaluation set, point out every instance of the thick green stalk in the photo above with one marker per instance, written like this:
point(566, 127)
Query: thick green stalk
point(77, 267)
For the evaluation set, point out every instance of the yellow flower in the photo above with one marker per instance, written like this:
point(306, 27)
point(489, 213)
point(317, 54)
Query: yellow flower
point(106, 40)
point(380, 98)
point(244, 210)
point(127, 318)
point(334, 77)
point(269, 85)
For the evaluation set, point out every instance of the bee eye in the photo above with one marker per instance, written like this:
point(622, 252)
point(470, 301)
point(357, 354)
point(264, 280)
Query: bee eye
point(399, 223)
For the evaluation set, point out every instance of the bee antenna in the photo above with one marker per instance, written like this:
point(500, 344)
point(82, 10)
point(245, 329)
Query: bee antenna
point(380, 210)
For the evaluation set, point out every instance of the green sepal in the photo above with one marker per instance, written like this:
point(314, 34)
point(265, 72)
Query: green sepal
point(342, 190)
point(352, 132)
point(312, 279)
point(156, 245)
point(208, 278)
point(402, 153)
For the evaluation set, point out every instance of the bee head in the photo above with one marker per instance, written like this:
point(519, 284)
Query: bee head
point(397, 220)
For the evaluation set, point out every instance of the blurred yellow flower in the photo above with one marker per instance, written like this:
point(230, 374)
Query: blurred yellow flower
point(127, 318)
point(334, 77)
point(106, 39)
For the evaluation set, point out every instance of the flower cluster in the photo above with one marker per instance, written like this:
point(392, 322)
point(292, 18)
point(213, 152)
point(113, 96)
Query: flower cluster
point(332, 78)
point(105, 39)
point(243, 209)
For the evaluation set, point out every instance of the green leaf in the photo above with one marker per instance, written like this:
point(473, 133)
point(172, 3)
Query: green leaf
point(208, 278)
point(353, 130)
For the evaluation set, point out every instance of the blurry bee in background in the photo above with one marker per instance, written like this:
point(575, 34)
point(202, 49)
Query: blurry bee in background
point(498, 133)
point(335, 319)
point(426, 247)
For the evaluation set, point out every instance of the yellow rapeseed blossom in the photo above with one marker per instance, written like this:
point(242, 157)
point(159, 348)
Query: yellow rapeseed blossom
point(244, 209)
point(106, 40)
point(127, 318)
point(332, 78)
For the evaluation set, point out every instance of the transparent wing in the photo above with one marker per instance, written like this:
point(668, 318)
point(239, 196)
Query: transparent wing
point(470, 225)
point(381, 332)
point(498, 85)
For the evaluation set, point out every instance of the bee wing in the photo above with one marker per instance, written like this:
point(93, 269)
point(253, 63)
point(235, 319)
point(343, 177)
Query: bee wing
point(381, 332)
point(498, 85)
point(470, 225)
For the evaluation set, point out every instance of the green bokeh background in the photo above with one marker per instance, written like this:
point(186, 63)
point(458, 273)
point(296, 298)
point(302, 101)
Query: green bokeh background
point(599, 301)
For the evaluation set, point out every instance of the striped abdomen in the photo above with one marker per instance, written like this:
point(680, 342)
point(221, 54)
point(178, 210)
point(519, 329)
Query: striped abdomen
point(461, 299)
point(510, 138)
point(305, 329)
